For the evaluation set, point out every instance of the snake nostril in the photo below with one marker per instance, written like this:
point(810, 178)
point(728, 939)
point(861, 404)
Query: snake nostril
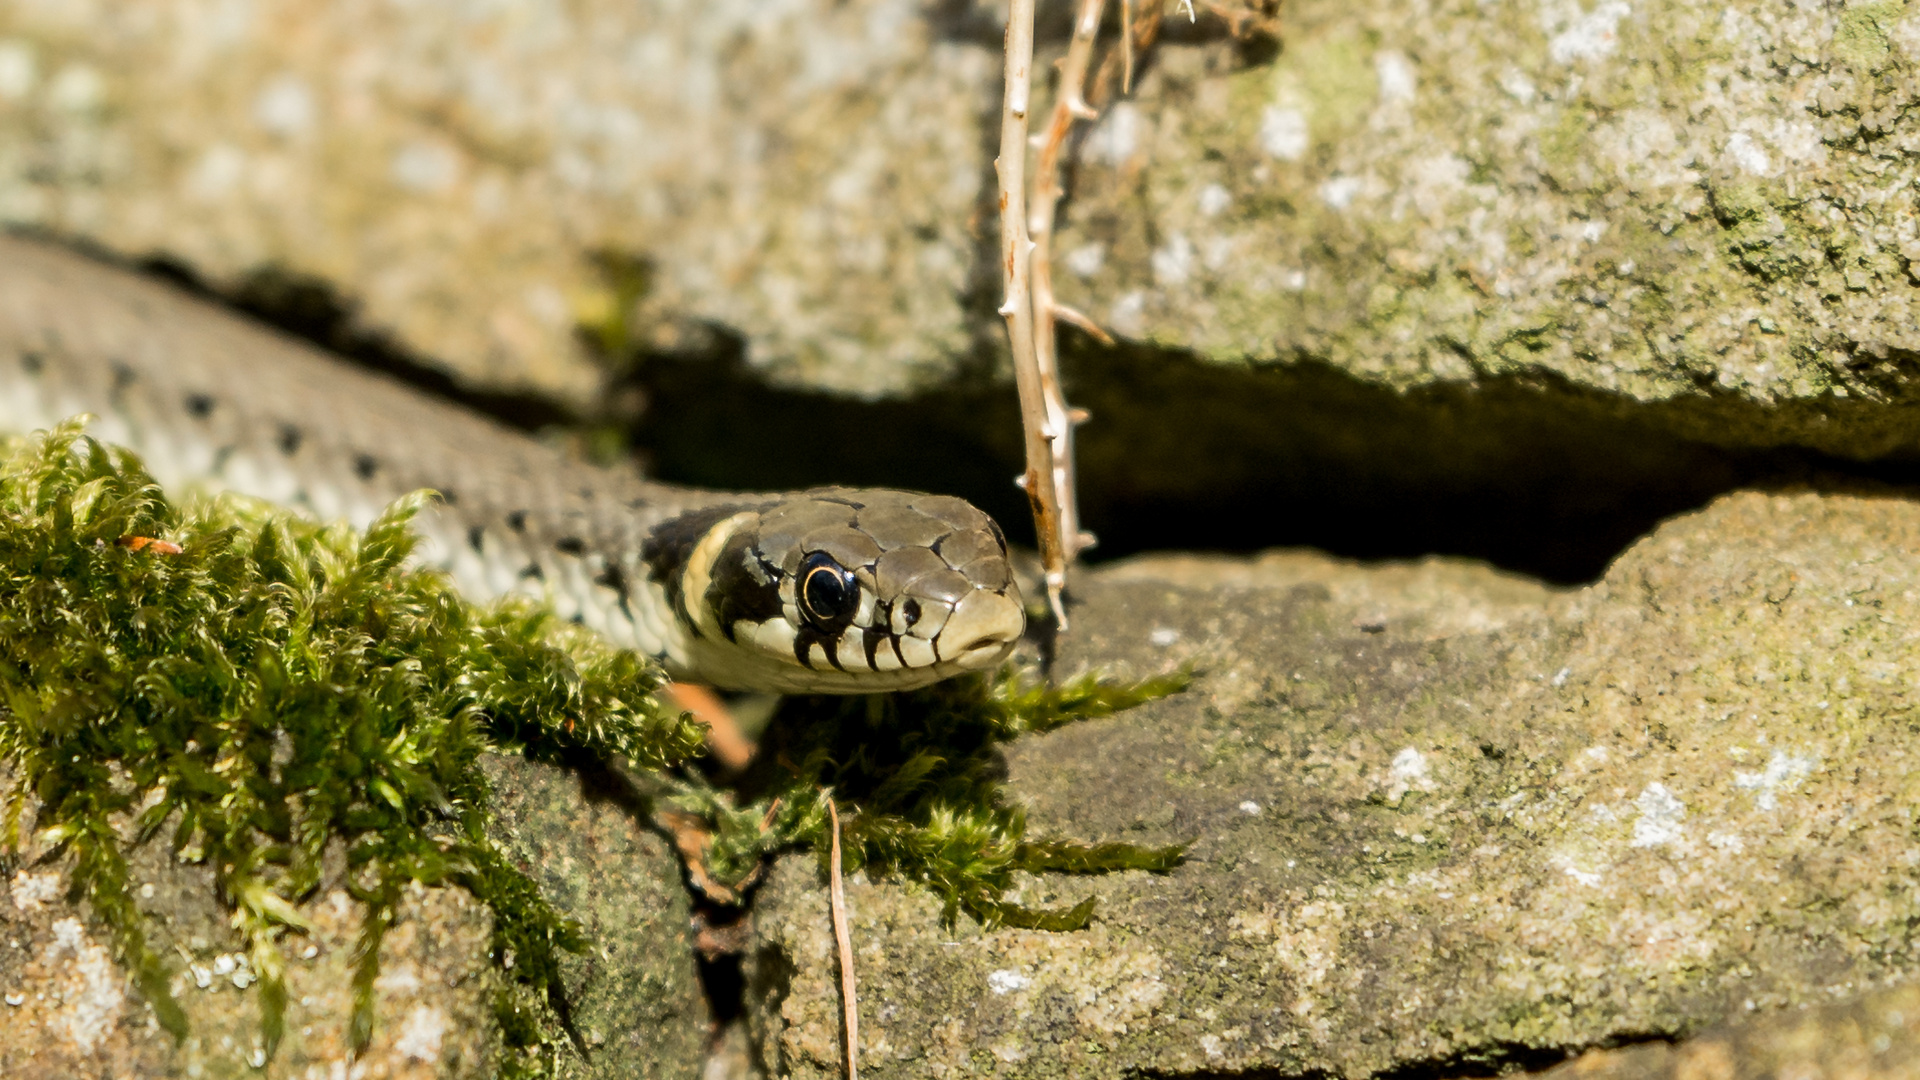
point(984, 625)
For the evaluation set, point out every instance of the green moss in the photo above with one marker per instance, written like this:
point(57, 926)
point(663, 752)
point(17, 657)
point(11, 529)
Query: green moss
point(918, 779)
point(273, 688)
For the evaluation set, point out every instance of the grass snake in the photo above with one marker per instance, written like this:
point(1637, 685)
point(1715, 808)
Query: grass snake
point(834, 590)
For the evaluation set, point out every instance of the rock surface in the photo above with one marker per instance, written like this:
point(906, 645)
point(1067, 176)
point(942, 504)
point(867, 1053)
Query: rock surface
point(1663, 202)
point(69, 1009)
point(1874, 1036)
point(804, 172)
point(1440, 818)
point(71, 1012)
point(635, 998)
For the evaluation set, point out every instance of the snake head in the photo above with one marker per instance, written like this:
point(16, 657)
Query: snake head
point(844, 590)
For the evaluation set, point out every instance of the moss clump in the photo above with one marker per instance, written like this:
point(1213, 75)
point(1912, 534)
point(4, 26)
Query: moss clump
point(260, 688)
point(269, 689)
point(919, 779)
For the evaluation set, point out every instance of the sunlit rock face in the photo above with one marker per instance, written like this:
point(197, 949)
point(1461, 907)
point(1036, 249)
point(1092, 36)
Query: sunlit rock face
point(1437, 814)
point(1671, 202)
point(803, 173)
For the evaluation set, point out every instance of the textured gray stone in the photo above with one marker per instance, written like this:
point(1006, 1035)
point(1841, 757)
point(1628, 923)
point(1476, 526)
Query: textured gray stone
point(70, 1010)
point(802, 171)
point(635, 998)
point(1439, 817)
point(1664, 200)
point(1644, 202)
point(1874, 1035)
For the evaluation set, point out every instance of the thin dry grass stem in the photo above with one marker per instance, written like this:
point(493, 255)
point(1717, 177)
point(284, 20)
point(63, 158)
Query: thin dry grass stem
point(1016, 254)
point(1126, 46)
point(837, 899)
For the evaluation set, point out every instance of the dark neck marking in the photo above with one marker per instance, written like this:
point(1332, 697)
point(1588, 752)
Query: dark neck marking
point(669, 547)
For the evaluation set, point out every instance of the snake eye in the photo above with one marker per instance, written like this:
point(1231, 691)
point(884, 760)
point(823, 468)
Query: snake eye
point(828, 594)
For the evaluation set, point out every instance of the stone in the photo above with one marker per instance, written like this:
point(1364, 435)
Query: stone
point(1874, 1035)
point(71, 1011)
point(636, 999)
point(1441, 818)
point(1695, 206)
point(1694, 209)
point(805, 173)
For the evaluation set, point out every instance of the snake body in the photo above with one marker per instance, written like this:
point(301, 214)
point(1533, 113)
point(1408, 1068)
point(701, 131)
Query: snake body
point(835, 590)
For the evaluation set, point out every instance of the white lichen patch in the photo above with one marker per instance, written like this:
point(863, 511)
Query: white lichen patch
point(1283, 133)
point(1578, 35)
point(1006, 981)
point(421, 1034)
point(398, 979)
point(1113, 986)
point(1660, 815)
point(1729, 843)
point(77, 88)
point(1086, 260)
point(1748, 156)
point(1589, 878)
point(1116, 138)
point(1173, 261)
point(1395, 73)
point(216, 174)
point(90, 989)
point(1408, 772)
point(18, 69)
point(427, 167)
point(285, 106)
point(1784, 772)
point(1339, 191)
point(32, 892)
point(1518, 86)
point(1127, 316)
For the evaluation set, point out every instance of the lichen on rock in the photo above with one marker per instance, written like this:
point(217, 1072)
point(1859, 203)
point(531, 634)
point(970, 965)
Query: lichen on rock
point(1440, 818)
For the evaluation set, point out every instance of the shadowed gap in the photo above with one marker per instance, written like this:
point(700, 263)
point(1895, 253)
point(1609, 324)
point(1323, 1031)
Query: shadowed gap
point(1533, 475)
point(1537, 476)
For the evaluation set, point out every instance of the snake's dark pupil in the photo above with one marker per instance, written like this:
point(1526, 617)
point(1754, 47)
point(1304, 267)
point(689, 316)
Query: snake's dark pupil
point(827, 591)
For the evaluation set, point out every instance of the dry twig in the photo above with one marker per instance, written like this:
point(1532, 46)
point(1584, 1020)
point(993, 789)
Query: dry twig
point(1016, 254)
point(1060, 420)
point(837, 899)
point(1026, 233)
point(1139, 29)
point(1026, 241)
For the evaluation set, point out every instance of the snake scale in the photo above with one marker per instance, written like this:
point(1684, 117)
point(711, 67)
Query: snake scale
point(834, 590)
